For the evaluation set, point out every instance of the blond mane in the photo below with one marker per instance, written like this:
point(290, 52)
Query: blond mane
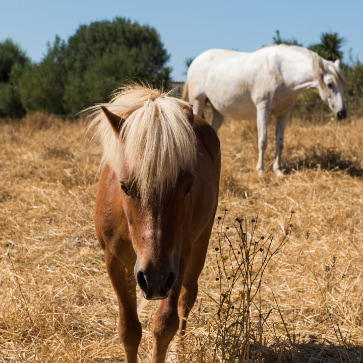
point(156, 141)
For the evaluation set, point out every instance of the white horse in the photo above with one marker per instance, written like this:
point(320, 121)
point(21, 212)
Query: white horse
point(262, 84)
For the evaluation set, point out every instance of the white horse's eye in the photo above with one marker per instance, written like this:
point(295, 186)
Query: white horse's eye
point(331, 85)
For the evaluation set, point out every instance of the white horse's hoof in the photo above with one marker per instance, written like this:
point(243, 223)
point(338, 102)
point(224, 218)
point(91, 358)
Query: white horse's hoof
point(279, 173)
point(261, 173)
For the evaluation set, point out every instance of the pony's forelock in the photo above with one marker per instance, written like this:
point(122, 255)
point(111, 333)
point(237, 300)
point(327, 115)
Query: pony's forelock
point(157, 140)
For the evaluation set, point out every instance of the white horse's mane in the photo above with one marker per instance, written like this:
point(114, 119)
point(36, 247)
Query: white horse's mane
point(156, 141)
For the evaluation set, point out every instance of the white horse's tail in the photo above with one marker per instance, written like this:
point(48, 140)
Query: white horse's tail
point(185, 95)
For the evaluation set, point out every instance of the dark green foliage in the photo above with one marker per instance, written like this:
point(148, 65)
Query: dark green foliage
point(10, 105)
point(354, 79)
point(42, 85)
point(12, 62)
point(96, 60)
point(329, 46)
point(10, 54)
point(353, 89)
point(106, 54)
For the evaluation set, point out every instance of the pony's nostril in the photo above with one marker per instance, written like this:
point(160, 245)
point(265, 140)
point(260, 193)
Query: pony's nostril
point(170, 281)
point(142, 281)
point(155, 288)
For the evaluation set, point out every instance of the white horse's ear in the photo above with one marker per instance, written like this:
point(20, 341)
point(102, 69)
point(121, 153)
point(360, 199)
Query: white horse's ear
point(337, 63)
point(115, 120)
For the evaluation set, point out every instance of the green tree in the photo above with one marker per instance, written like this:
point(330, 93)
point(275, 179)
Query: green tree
point(10, 54)
point(42, 85)
point(278, 40)
point(12, 62)
point(103, 55)
point(97, 59)
point(329, 47)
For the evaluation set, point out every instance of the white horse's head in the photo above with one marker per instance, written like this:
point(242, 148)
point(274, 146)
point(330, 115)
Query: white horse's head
point(331, 86)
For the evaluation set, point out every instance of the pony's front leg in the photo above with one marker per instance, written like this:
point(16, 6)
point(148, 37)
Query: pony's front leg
point(129, 327)
point(281, 123)
point(263, 117)
point(165, 325)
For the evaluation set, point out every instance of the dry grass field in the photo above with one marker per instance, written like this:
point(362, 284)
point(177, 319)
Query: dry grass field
point(304, 305)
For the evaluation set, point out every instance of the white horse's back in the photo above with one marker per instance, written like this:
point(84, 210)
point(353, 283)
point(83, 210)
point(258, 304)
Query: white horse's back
point(207, 77)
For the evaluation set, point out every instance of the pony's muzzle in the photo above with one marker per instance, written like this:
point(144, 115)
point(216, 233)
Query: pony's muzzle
point(155, 286)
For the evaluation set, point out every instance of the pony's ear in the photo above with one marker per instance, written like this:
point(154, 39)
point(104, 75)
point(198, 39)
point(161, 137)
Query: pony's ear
point(337, 63)
point(115, 120)
point(189, 113)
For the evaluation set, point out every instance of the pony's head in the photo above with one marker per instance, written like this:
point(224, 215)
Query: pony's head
point(331, 86)
point(149, 142)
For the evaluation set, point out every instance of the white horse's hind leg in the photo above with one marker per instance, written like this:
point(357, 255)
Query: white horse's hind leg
point(263, 117)
point(217, 119)
point(281, 123)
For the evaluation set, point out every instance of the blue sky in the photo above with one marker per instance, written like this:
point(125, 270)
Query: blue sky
point(187, 28)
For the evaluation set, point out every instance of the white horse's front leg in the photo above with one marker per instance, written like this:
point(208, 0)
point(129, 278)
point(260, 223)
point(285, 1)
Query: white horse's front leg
point(263, 117)
point(281, 123)
point(198, 105)
point(217, 119)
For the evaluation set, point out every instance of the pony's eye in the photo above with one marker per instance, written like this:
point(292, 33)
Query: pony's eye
point(188, 189)
point(125, 189)
point(331, 85)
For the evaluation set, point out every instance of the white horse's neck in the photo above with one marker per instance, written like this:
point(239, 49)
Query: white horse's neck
point(298, 71)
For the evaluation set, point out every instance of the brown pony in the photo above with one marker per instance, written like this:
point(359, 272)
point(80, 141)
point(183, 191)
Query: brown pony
point(155, 207)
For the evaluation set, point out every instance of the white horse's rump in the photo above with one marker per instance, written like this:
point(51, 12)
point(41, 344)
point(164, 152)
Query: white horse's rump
point(260, 84)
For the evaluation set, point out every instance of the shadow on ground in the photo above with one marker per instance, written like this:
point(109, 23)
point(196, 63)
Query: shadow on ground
point(329, 159)
point(312, 352)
